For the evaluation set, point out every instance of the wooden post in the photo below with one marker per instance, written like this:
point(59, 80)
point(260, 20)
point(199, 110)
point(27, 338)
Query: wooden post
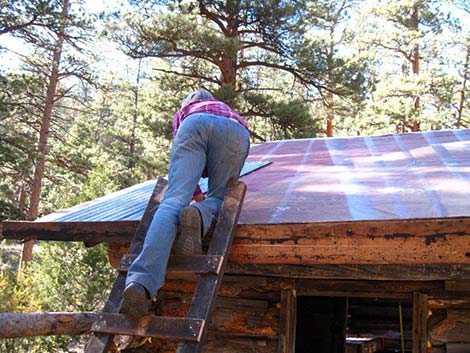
point(420, 322)
point(288, 321)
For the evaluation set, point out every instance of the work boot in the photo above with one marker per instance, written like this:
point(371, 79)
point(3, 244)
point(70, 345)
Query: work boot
point(135, 301)
point(189, 241)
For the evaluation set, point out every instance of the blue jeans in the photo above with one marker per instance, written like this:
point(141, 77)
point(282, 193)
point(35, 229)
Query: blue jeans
point(203, 141)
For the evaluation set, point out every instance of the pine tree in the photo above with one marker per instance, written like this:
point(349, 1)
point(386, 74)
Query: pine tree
point(329, 40)
point(55, 30)
point(222, 45)
point(402, 34)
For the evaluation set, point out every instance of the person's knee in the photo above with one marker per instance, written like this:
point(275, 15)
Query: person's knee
point(174, 203)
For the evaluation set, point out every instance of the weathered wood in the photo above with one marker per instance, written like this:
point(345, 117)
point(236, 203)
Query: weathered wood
point(455, 328)
point(116, 232)
point(388, 295)
point(232, 317)
point(420, 322)
point(100, 343)
point(395, 241)
point(457, 286)
point(428, 229)
point(366, 286)
point(265, 287)
point(457, 348)
point(115, 253)
point(287, 323)
point(378, 271)
point(357, 250)
point(178, 329)
point(439, 350)
point(45, 324)
point(208, 284)
point(217, 343)
point(449, 303)
point(359, 242)
point(182, 264)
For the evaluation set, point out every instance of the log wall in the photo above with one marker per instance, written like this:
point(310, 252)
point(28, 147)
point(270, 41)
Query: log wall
point(449, 323)
point(246, 317)
point(257, 313)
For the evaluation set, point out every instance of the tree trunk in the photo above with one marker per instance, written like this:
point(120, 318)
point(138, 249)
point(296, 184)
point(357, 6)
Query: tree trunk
point(464, 86)
point(329, 114)
point(44, 132)
point(229, 62)
point(329, 95)
point(45, 324)
point(415, 66)
point(132, 152)
point(22, 199)
point(229, 71)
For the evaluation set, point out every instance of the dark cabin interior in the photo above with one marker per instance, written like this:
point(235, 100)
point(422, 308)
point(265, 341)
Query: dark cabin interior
point(353, 325)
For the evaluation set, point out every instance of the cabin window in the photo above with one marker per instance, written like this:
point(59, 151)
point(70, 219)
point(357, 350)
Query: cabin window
point(353, 325)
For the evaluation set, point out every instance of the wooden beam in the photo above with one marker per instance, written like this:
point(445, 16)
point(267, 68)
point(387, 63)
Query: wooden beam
point(170, 328)
point(423, 241)
point(455, 328)
point(381, 272)
point(195, 264)
point(45, 324)
point(429, 230)
point(457, 348)
point(388, 242)
point(117, 232)
point(420, 322)
point(457, 286)
point(366, 286)
point(322, 293)
point(287, 321)
point(449, 303)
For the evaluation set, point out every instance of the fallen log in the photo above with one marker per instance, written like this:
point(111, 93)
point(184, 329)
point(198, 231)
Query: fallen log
point(45, 324)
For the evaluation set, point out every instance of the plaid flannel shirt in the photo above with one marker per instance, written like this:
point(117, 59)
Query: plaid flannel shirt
point(210, 106)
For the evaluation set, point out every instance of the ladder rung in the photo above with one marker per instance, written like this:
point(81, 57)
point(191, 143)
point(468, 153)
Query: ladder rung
point(199, 264)
point(171, 328)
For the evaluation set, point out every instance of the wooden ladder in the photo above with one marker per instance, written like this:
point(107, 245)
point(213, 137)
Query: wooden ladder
point(191, 330)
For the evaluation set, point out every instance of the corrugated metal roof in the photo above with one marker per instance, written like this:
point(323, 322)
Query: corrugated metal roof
point(127, 204)
point(399, 176)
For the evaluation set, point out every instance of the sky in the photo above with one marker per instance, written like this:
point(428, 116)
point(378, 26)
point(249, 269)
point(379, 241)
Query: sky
point(113, 62)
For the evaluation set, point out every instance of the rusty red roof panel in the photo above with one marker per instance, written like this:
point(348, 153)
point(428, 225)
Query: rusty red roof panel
point(399, 176)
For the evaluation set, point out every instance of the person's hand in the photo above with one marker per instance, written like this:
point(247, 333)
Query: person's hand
point(198, 197)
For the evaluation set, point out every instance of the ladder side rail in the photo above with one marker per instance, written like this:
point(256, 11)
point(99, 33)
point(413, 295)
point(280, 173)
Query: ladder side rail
point(100, 343)
point(208, 285)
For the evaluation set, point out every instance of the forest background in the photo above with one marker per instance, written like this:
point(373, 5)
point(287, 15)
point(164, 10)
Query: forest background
point(88, 90)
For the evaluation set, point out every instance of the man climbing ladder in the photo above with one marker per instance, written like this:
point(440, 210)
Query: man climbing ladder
point(208, 136)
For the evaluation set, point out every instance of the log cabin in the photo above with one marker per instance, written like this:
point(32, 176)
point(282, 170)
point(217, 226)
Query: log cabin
point(357, 244)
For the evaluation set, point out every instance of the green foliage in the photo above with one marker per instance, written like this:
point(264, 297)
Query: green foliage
point(289, 118)
point(220, 45)
point(70, 277)
point(9, 211)
point(21, 14)
point(63, 277)
point(287, 67)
